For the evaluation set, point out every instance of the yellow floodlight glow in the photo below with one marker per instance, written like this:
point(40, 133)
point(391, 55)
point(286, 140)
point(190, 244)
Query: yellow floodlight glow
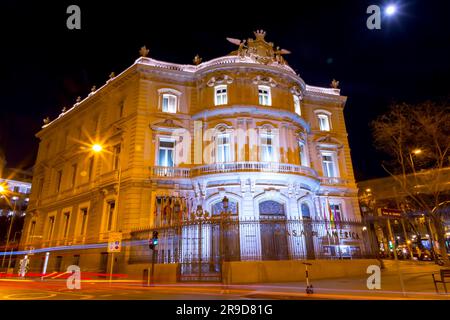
point(97, 148)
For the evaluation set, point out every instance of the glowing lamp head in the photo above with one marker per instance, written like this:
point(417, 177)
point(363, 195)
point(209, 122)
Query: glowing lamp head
point(417, 151)
point(97, 148)
point(2, 189)
point(391, 9)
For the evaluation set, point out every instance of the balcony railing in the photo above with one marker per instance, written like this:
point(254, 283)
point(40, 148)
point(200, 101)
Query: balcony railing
point(170, 172)
point(333, 181)
point(252, 167)
point(175, 172)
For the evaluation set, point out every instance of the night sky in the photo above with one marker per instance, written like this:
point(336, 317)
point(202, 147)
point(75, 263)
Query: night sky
point(44, 66)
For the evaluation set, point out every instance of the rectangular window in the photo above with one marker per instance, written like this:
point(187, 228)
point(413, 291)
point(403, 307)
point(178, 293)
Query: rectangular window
point(324, 122)
point(121, 107)
point(111, 208)
point(221, 96)
point(74, 174)
point(76, 260)
point(302, 151)
point(91, 167)
point(223, 148)
point(264, 96)
point(51, 226)
point(297, 105)
point(169, 103)
point(83, 216)
point(329, 168)
point(32, 230)
point(40, 187)
point(116, 159)
point(336, 211)
point(166, 152)
point(58, 180)
point(66, 224)
point(267, 153)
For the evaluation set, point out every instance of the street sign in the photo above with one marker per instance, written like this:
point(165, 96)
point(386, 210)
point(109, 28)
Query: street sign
point(115, 242)
point(391, 213)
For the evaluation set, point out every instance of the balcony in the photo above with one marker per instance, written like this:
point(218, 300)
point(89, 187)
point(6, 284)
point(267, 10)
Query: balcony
point(333, 181)
point(215, 168)
point(170, 172)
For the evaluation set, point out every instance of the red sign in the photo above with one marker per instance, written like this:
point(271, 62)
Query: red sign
point(394, 213)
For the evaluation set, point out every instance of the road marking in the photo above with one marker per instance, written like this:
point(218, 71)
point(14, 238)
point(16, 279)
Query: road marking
point(17, 296)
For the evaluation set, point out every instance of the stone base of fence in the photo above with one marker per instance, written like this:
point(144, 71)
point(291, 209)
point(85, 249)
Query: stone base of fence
point(292, 270)
point(246, 272)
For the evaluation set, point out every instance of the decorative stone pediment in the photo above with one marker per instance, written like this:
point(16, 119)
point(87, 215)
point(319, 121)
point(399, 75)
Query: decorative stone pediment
point(328, 142)
point(263, 80)
point(167, 125)
point(223, 79)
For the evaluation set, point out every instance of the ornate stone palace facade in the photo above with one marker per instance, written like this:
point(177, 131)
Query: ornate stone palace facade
point(176, 140)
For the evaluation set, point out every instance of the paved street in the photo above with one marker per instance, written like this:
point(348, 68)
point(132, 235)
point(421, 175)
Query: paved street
point(417, 283)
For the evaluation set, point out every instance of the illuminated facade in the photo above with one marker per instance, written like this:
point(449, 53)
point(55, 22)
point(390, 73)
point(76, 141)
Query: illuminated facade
point(181, 137)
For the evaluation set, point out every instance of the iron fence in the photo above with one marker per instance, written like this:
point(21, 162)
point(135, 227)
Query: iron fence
point(215, 240)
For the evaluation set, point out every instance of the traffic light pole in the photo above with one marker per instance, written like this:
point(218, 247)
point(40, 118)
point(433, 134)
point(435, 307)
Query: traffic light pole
point(152, 273)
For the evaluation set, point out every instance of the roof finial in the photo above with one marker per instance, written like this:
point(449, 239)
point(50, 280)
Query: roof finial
point(260, 34)
point(334, 84)
point(197, 60)
point(46, 120)
point(144, 51)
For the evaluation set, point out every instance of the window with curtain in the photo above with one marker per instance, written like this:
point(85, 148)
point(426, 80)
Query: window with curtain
point(324, 122)
point(267, 150)
point(169, 103)
point(166, 152)
point(264, 96)
point(297, 105)
point(223, 147)
point(329, 165)
point(302, 154)
point(220, 96)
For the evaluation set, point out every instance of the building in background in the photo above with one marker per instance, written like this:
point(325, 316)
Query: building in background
point(15, 189)
point(382, 199)
point(232, 159)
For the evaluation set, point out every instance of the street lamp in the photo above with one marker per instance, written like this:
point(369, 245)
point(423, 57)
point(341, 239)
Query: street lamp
point(3, 192)
point(97, 148)
point(415, 152)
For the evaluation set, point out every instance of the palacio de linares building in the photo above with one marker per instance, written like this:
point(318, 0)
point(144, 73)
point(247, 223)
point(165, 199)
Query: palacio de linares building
point(243, 169)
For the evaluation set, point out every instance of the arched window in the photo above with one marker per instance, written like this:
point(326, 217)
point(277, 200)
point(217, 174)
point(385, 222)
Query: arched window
point(306, 214)
point(297, 105)
point(271, 208)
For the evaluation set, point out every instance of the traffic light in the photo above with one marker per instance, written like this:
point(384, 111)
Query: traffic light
point(153, 242)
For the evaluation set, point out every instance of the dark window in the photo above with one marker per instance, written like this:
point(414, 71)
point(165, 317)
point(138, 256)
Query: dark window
point(111, 207)
point(58, 263)
point(58, 180)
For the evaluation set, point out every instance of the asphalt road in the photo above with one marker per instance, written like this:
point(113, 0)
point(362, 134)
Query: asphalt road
point(416, 283)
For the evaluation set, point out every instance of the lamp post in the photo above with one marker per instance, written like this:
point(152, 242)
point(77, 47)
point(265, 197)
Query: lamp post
point(223, 217)
point(15, 198)
point(97, 149)
point(10, 254)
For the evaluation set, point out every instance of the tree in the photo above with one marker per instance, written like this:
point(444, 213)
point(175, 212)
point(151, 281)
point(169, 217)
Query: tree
point(417, 140)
